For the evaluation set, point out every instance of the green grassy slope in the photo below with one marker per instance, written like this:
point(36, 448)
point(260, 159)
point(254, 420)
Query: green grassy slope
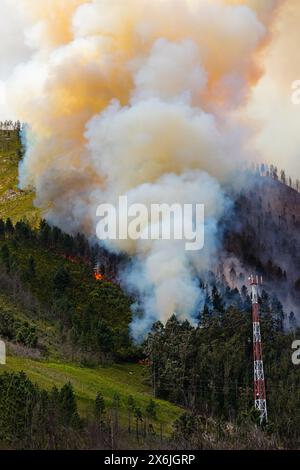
point(125, 380)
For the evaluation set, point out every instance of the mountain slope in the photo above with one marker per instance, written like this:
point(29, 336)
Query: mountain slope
point(124, 380)
point(62, 324)
point(262, 235)
point(26, 310)
point(14, 203)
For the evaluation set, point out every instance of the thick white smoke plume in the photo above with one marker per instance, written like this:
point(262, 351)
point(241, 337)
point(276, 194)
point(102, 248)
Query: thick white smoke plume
point(139, 98)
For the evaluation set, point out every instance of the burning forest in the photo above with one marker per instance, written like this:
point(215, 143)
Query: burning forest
point(117, 103)
point(152, 167)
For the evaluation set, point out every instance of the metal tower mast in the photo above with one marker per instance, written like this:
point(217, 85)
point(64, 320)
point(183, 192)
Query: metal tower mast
point(260, 401)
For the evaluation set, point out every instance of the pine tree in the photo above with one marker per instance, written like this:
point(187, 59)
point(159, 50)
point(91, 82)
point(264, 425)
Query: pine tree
point(138, 419)
point(31, 267)
point(205, 316)
point(45, 233)
point(61, 280)
point(292, 321)
point(5, 257)
point(68, 406)
point(278, 314)
point(18, 397)
point(130, 407)
point(116, 405)
point(217, 300)
point(151, 409)
point(2, 229)
point(99, 409)
point(264, 301)
point(105, 337)
point(9, 228)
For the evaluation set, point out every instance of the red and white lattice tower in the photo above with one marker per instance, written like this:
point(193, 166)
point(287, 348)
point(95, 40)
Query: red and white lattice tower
point(259, 378)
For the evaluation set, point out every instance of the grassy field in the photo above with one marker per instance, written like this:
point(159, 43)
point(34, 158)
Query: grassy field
point(125, 380)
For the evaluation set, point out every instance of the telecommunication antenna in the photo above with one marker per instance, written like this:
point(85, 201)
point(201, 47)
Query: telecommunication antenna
point(260, 401)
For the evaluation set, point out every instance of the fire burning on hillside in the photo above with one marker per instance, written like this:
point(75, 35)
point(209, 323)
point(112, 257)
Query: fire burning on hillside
point(99, 277)
point(141, 107)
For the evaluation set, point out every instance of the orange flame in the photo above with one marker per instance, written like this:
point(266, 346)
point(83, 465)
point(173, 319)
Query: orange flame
point(98, 276)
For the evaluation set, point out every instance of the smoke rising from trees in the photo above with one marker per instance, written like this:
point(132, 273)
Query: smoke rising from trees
point(139, 98)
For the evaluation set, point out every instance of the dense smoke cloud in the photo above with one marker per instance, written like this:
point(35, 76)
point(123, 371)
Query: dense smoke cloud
point(139, 97)
point(277, 117)
point(13, 50)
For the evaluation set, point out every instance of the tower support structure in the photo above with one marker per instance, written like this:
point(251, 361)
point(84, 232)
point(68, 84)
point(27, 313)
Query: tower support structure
point(260, 401)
